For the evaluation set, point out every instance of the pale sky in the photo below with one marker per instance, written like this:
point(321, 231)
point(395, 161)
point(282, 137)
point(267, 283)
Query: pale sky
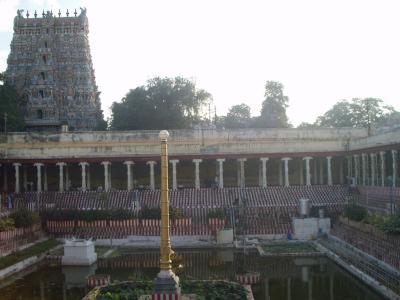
point(322, 51)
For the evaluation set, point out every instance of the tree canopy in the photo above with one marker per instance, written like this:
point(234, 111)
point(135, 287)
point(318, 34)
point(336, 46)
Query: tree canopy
point(10, 106)
point(359, 113)
point(273, 111)
point(238, 116)
point(169, 103)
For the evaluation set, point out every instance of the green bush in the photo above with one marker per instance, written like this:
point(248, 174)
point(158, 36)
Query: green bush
point(151, 213)
point(7, 224)
point(218, 289)
point(375, 219)
point(176, 213)
point(87, 215)
point(24, 218)
point(391, 225)
point(216, 214)
point(355, 212)
point(126, 291)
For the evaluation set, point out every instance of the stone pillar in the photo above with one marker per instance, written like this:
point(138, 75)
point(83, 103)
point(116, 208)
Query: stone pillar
point(5, 179)
point(394, 167)
point(315, 169)
point(341, 176)
point(67, 182)
point(45, 186)
point(356, 175)
point(364, 168)
point(286, 161)
point(242, 178)
point(308, 173)
point(106, 164)
point(329, 169)
point(221, 172)
point(39, 176)
point(25, 177)
point(280, 173)
point(197, 173)
point(129, 183)
point(373, 155)
point(301, 169)
point(264, 171)
point(88, 178)
point(383, 175)
point(17, 184)
point(109, 177)
point(61, 176)
point(321, 171)
point(83, 175)
point(173, 162)
point(152, 163)
point(349, 167)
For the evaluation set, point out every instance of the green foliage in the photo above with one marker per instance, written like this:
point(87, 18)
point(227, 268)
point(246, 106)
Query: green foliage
point(87, 215)
point(126, 291)
point(391, 225)
point(355, 212)
point(273, 111)
point(168, 103)
point(154, 213)
point(176, 213)
point(7, 224)
point(216, 214)
point(220, 290)
point(11, 104)
point(238, 117)
point(102, 125)
point(359, 113)
point(307, 125)
point(375, 219)
point(24, 218)
point(34, 250)
point(150, 213)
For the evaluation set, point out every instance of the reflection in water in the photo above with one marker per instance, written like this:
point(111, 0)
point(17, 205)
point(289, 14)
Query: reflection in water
point(272, 278)
point(75, 276)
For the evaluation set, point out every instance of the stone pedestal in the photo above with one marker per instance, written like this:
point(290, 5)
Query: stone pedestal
point(79, 253)
point(309, 228)
point(225, 236)
point(167, 283)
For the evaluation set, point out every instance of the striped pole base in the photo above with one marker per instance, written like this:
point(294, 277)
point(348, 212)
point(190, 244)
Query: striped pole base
point(159, 296)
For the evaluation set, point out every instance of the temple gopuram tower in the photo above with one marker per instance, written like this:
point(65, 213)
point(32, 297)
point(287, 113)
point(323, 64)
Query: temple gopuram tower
point(51, 68)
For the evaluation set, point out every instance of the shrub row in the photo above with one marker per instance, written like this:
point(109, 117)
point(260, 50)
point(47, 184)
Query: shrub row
point(110, 214)
point(216, 214)
point(18, 219)
point(388, 224)
point(7, 224)
point(221, 290)
point(86, 215)
point(155, 213)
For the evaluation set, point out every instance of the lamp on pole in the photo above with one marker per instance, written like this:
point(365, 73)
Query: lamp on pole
point(166, 282)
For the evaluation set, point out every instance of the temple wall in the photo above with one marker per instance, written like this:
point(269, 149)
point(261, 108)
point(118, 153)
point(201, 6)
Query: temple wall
point(181, 143)
point(376, 141)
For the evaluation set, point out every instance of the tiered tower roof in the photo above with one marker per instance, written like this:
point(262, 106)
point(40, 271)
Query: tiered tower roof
point(50, 65)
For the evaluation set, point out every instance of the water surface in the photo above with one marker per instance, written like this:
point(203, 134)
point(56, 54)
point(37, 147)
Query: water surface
point(275, 278)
